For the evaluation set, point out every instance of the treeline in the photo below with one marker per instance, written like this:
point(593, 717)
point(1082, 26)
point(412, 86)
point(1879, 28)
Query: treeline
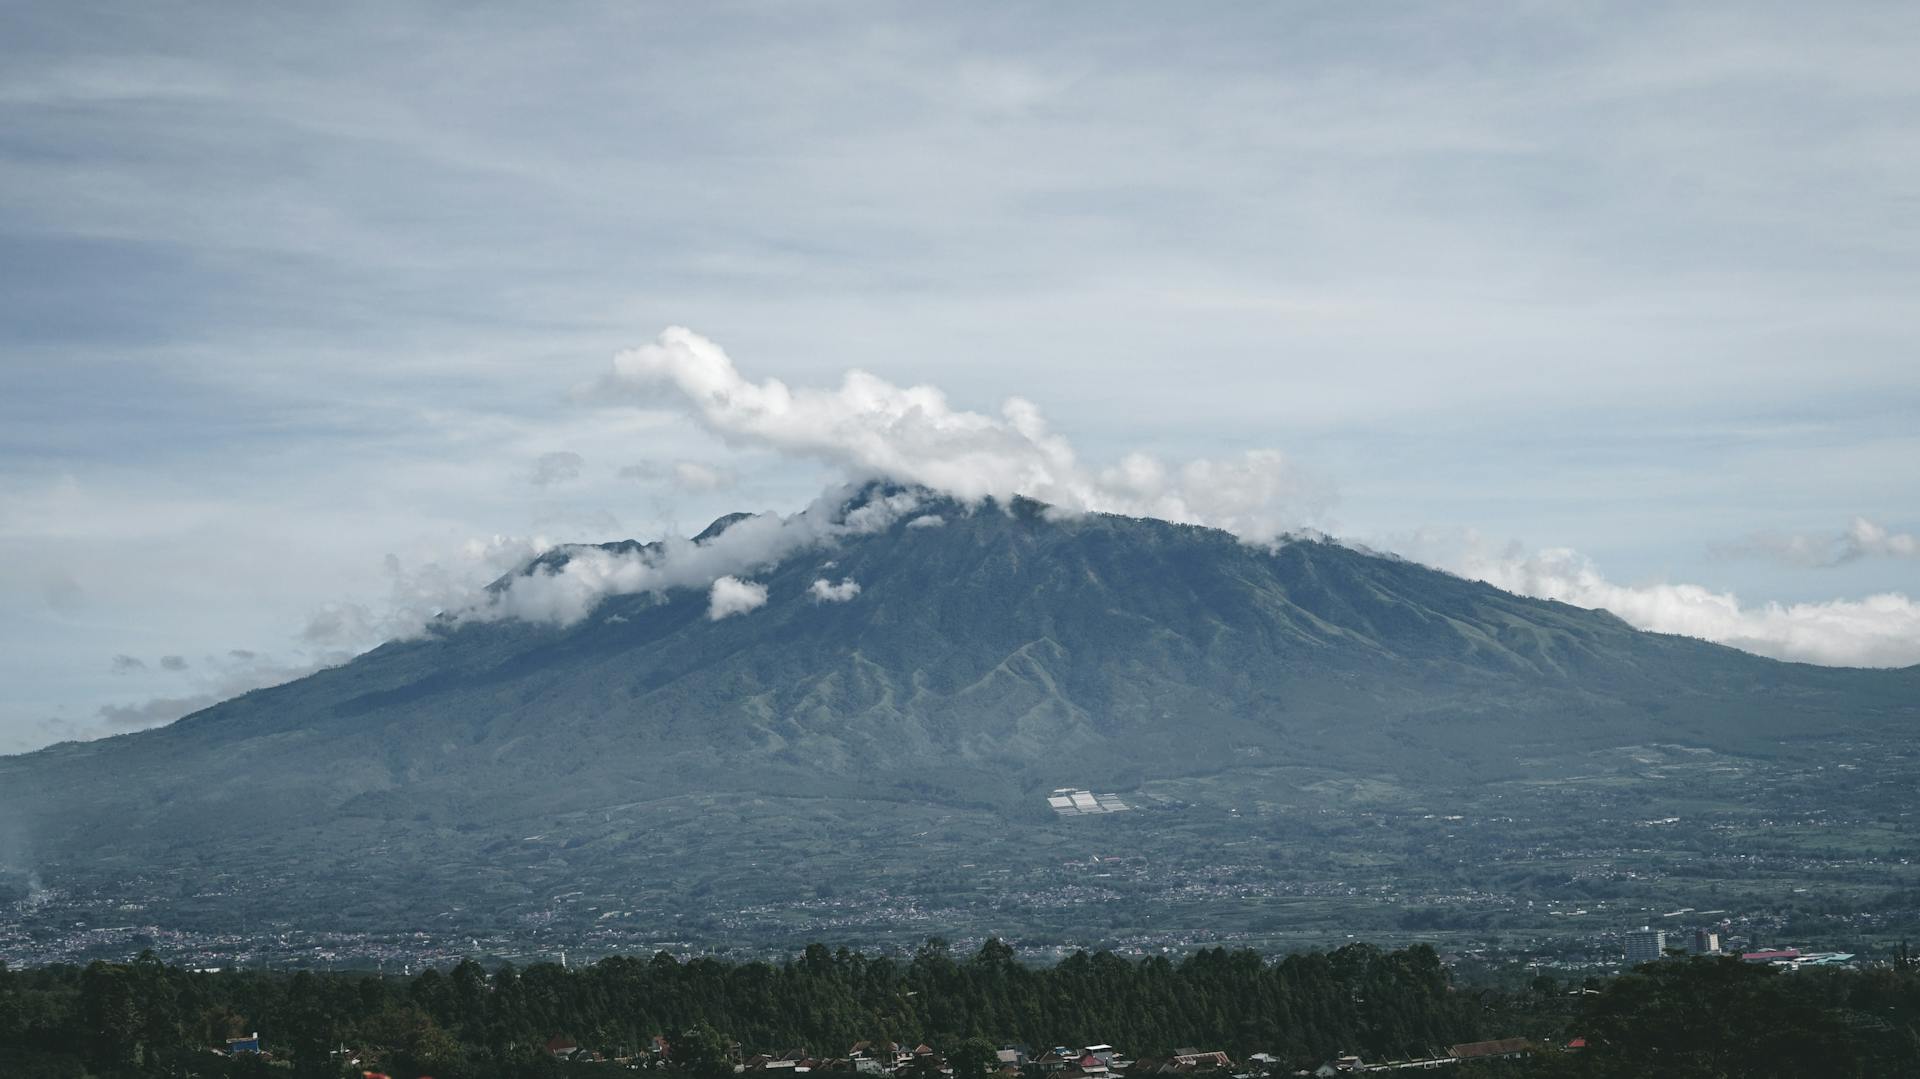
point(145, 1018)
point(1679, 1018)
point(1720, 1018)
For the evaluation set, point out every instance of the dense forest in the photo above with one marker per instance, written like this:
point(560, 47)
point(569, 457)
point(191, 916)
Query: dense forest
point(1684, 1017)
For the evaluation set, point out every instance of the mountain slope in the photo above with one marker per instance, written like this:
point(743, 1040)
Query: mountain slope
point(981, 664)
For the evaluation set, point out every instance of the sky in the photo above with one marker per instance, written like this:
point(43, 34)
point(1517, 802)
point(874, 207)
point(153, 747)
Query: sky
point(313, 316)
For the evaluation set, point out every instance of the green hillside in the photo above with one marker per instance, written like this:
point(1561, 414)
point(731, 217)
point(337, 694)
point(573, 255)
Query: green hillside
point(982, 664)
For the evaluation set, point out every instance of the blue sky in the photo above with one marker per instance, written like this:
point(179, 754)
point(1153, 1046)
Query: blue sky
point(296, 303)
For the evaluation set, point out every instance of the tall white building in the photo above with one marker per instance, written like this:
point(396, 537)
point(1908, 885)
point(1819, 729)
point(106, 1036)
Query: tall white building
point(1644, 945)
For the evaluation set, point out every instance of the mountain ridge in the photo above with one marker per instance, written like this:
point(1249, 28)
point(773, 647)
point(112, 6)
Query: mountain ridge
point(981, 664)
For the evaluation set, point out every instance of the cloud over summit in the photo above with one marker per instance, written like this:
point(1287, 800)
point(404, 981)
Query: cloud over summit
point(874, 429)
point(912, 434)
point(566, 590)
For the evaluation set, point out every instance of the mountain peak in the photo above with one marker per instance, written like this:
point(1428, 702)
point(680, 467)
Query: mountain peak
point(721, 524)
point(900, 672)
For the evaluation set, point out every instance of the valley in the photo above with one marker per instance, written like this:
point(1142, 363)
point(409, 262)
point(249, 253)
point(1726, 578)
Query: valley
point(1814, 847)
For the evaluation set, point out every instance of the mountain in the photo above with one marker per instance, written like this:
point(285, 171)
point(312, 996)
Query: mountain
point(652, 750)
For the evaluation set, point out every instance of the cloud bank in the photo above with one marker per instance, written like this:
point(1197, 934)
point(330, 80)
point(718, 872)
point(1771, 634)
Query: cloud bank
point(1877, 631)
point(875, 429)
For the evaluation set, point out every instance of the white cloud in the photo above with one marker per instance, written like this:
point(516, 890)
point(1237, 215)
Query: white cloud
point(927, 520)
point(1862, 538)
point(1877, 631)
point(874, 428)
point(568, 593)
point(419, 593)
point(731, 596)
point(827, 592)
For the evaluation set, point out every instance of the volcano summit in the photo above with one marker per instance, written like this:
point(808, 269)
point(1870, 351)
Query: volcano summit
point(612, 747)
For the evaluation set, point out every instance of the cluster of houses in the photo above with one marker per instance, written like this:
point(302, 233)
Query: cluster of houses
point(1498, 1049)
point(1010, 1062)
point(1794, 959)
point(896, 1061)
point(891, 1059)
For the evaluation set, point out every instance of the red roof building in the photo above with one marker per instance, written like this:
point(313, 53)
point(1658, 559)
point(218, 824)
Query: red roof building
point(1500, 1047)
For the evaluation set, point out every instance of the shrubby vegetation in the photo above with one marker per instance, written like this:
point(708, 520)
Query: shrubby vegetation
point(1723, 1017)
point(1702, 1017)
